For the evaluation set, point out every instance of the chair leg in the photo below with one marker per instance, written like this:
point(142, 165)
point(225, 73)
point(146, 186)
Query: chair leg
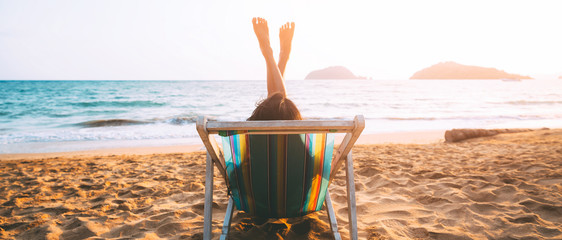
point(351, 205)
point(227, 218)
point(208, 208)
point(332, 217)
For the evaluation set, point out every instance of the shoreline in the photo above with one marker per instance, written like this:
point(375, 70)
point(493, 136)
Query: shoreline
point(410, 137)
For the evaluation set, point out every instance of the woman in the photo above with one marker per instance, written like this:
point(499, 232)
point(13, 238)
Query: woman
point(276, 106)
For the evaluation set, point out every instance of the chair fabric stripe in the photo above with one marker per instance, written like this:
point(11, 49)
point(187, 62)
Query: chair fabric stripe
point(260, 178)
point(281, 159)
point(326, 169)
point(317, 177)
point(296, 152)
point(237, 159)
point(273, 179)
point(231, 169)
point(246, 166)
point(278, 175)
point(307, 177)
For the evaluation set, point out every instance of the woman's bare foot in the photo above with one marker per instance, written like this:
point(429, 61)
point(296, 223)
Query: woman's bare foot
point(286, 33)
point(262, 33)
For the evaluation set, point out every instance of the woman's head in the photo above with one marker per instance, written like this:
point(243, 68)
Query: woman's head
point(276, 107)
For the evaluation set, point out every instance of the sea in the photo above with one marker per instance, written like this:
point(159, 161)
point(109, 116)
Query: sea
point(60, 116)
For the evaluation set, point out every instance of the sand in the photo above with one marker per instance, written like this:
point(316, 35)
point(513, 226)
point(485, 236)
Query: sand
point(507, 186)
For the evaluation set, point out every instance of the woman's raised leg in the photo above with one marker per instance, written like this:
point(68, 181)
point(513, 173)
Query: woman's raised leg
point(286, 33)
point(275, 81)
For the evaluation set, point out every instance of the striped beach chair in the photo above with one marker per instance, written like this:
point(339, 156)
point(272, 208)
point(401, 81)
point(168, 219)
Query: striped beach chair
point(279, 169)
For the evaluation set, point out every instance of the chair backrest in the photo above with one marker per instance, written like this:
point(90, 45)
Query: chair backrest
point(278, 175)
point(263, 161)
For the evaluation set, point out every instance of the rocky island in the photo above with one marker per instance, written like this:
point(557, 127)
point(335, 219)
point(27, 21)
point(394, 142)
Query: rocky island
point(334, 72)
point(453, 70)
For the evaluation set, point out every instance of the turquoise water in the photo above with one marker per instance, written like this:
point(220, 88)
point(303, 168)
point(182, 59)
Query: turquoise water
point(91, 114)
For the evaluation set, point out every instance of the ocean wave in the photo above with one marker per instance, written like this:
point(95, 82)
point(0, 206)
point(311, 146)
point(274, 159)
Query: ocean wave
point(410, 118)
point(110, 123)
point(181, 120)
point(98, 112)
point(141, 132)
point(325, 119)
point(471, 118)
point(118, 104)
point(33, 112)
point(127, 122)
point(441, 118)
point(529, 102)
point(59, 115)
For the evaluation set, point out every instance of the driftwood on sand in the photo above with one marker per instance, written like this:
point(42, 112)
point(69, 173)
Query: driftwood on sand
point(457, 135)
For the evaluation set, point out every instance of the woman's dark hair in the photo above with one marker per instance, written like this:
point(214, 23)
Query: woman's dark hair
point(276, 107)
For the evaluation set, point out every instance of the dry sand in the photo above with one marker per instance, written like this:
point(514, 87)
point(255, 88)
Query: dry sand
point(508, 186)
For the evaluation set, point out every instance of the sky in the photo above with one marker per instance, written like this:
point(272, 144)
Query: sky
point(214, 40)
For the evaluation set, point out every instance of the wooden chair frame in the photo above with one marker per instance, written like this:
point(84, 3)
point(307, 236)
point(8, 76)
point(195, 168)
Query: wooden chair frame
point(215, 157)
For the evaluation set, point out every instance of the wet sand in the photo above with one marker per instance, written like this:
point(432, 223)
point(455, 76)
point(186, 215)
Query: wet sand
point(500, 187)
